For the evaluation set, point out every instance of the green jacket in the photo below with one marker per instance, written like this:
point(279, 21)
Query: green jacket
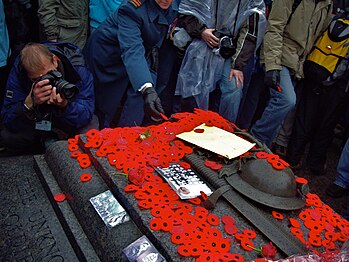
point(288, 44)
point(64, 20)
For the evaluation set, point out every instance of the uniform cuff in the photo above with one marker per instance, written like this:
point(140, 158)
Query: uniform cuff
point(145, 86)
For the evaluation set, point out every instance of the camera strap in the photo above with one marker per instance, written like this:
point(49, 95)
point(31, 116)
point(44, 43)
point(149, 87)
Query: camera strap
point(236, 16)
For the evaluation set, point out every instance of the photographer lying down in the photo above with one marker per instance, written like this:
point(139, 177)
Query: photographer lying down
point(49, 96)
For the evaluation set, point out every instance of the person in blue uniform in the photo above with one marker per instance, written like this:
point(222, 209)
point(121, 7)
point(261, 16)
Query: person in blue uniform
point(123, 55)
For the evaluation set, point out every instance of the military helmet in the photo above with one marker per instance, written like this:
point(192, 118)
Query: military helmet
point(259, 181)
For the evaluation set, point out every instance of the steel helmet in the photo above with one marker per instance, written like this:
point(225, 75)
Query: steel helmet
point(259, 181)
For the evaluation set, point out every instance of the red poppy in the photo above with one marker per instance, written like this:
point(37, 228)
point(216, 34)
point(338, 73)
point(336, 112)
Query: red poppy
point(75, 154)
point(73, 147)
point(164, 117)
point(209, 163)
point(246, 245)
point(59, 197)
point(227, 220)
point(231, 229)
point(269, 251)
point(277, 164)
point(301, 180)
point(195, 201)
point(294, 222)
point(262, 155)
point(199, 130)
point(131, 188)
point(296, 231)
point(249, 233)
point(185, 165)
point(272, 158)
point(277, 215)
point(213, 220)
point(85, 177)
point(203, 195)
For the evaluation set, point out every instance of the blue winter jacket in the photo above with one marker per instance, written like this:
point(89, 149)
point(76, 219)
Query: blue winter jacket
point(101, 9)
point(79, 111)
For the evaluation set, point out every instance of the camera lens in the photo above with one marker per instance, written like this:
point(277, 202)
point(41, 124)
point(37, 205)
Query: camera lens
point(66, 89)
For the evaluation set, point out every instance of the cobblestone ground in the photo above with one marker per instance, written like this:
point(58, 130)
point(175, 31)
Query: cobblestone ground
point(318, 184)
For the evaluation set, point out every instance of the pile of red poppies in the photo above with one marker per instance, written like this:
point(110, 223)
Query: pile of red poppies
point(191, 226)
point(134, 151)
point(318, 226)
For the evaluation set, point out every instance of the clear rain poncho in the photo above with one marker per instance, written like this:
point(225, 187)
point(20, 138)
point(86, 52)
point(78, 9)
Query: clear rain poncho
point(202, 66)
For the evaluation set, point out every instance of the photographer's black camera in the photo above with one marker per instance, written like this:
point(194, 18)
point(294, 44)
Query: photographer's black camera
point(65, 89)
point(227, 46)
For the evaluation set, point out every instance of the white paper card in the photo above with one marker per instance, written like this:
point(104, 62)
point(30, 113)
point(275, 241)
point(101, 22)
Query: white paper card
point(218, 141)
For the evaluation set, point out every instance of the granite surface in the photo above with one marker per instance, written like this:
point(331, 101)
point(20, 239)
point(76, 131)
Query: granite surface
point(65, 214)
point(29, 228)
point(108, 243)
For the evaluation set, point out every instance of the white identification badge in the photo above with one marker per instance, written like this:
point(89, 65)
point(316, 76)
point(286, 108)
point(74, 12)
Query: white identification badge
point(43, 125)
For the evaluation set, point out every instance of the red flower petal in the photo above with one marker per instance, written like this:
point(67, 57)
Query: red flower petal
point(59, 197)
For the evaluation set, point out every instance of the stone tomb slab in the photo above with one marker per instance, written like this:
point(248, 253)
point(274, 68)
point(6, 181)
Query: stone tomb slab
point(108, 243)
point(161, 239)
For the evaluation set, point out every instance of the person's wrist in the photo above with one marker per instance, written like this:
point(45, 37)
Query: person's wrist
point(27, 108)
point(63, 104)
point(28, 103)
point(145, 87)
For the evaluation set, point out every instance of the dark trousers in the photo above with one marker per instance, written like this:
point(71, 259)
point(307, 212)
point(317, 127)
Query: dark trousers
point(23, 142)
point(31, 141)
point(3, 79)
point(254, 100)
point(316, 118)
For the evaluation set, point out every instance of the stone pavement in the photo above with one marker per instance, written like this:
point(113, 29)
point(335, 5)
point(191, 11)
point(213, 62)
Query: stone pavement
point(318, 184)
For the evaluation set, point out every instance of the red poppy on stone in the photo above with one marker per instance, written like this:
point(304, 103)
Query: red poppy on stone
point(269, 251)
point(136, 176)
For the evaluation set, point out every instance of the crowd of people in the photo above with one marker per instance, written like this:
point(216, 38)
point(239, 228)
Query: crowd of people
point(69, 66)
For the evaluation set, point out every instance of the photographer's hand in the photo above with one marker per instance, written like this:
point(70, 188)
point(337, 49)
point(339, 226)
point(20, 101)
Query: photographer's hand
point(209, 38)
point(41, 92)
point(56, 99)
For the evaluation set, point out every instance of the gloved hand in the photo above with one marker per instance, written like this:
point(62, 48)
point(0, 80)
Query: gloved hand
point(272, 79)
point(152, 103)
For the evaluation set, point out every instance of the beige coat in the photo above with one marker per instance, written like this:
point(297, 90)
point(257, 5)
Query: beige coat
point(289, 44)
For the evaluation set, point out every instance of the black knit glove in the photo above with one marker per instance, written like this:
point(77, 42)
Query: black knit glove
point(152, 103)
point(272, 79)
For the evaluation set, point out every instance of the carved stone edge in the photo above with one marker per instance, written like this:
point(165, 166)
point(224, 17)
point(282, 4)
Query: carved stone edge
point(72, 228)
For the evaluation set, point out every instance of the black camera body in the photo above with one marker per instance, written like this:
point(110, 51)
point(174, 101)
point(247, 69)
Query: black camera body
point(65, 89)
point(227, 47)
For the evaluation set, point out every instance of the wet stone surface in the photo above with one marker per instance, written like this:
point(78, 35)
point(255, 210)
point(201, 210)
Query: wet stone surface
point(29, 228)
